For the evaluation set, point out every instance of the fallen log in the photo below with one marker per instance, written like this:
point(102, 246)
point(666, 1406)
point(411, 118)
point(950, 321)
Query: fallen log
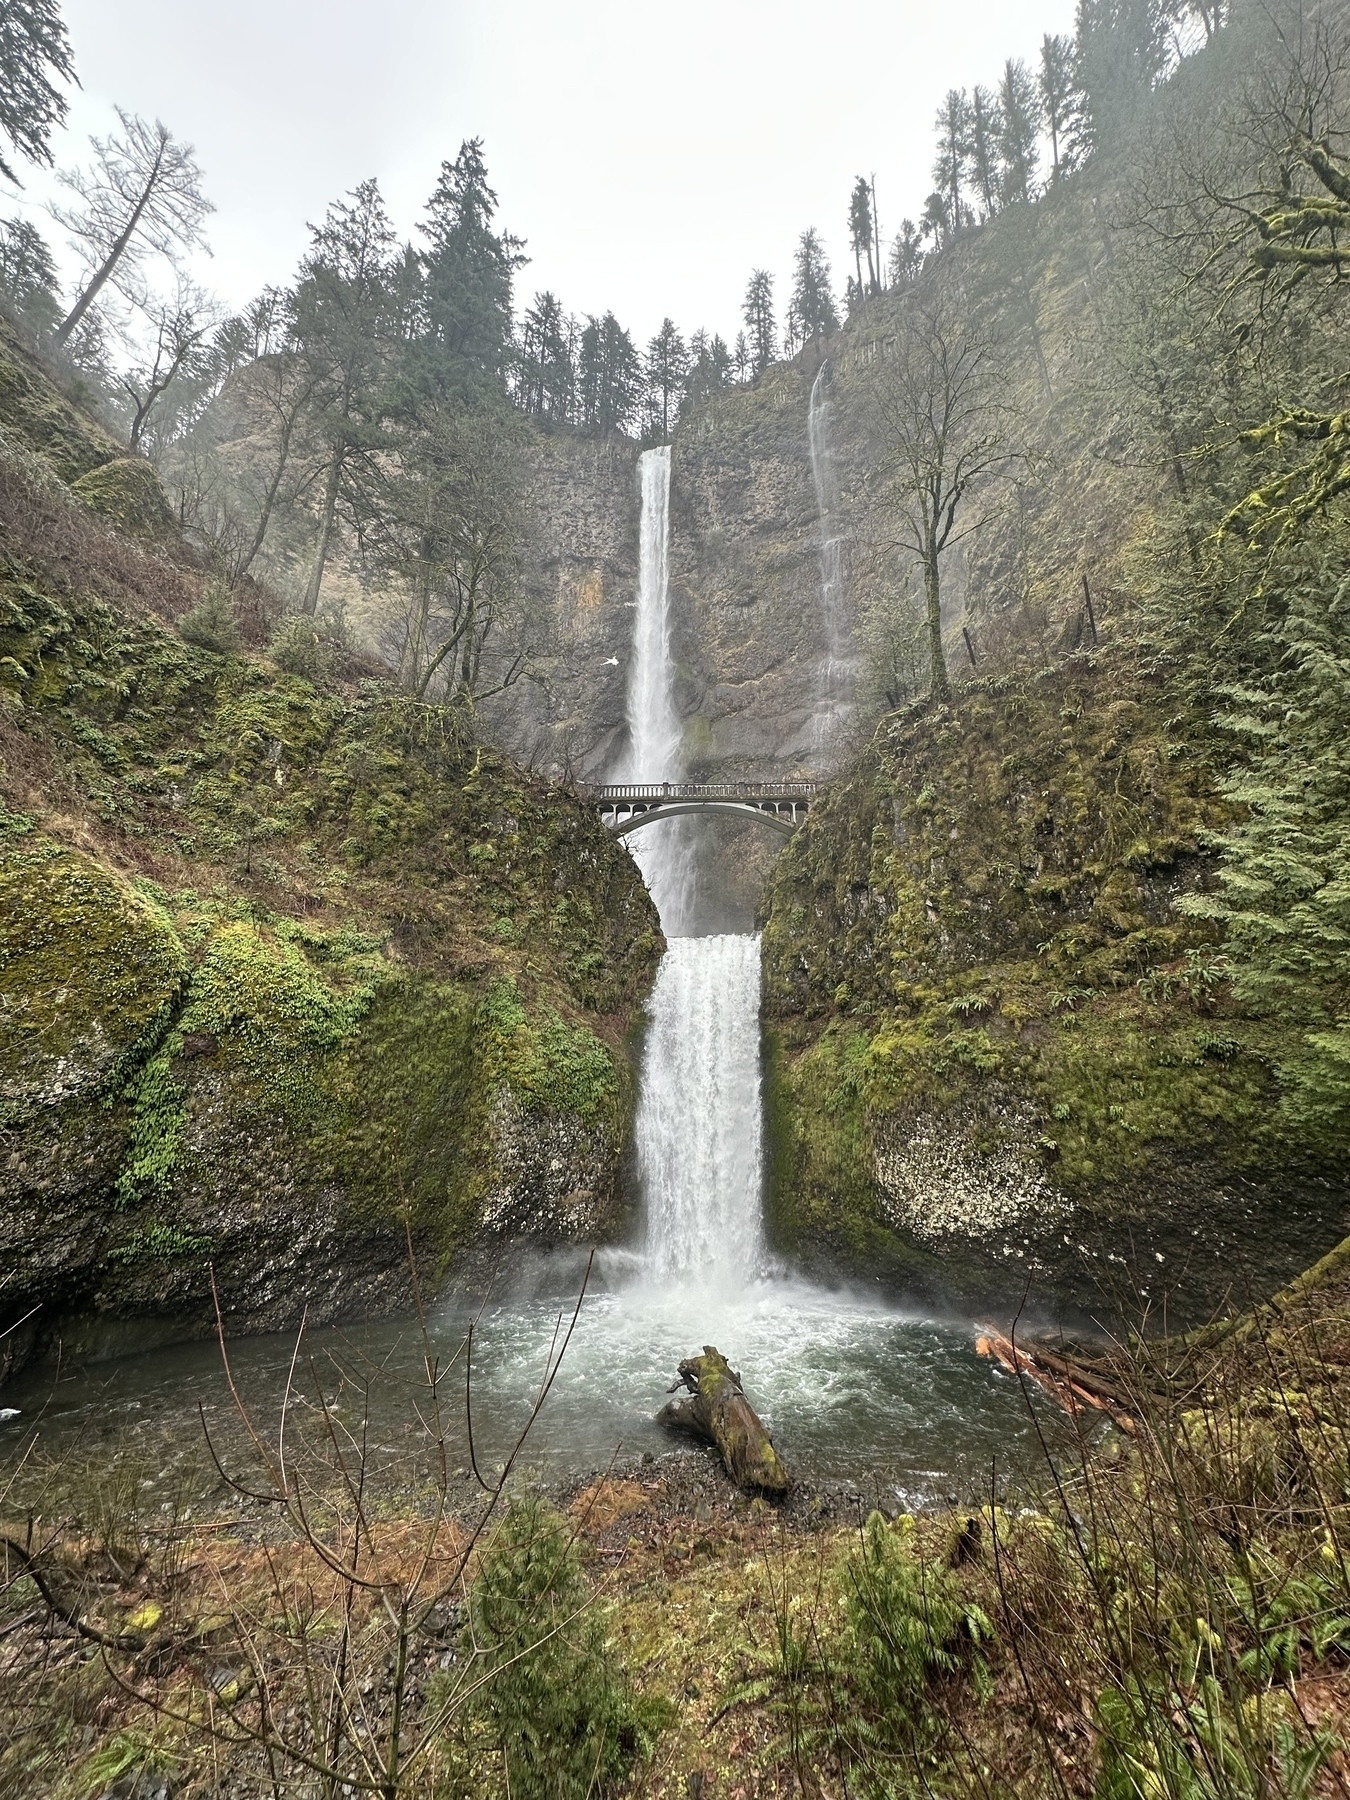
point(716, 1410)
point(1072, 1387)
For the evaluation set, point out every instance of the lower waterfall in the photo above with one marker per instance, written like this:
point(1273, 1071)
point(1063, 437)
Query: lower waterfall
point(698, 1122)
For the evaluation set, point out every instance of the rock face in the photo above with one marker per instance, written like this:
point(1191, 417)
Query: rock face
point(1000, 1047)
point(745, 597)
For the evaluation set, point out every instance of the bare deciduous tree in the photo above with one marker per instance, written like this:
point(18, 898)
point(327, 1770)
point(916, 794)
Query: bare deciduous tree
point(142, 194)
point(179, 328)
point(939, 420)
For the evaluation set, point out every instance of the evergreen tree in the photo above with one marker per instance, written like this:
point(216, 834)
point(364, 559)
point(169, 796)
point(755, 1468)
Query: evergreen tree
point(1017, 121)
point(861, 233)
point(28, 274)
point(546, 378)
point(609, 377)
point(757, 312)
point(1121, 50)
point(906, 254)
point(666, 368)
point(342, 309)
point(949, 170)
point(468, 270)
point(1056, 88)
point(742, 361)
point(813, 306)
point(33, 48)
point(936, 221)
point(710, 368)
point(985, 133)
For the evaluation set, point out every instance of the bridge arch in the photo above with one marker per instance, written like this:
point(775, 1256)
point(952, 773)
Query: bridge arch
point(669, 809)
point(626, 807)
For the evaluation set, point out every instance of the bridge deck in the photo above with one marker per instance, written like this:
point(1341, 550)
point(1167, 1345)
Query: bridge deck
point(616, 793)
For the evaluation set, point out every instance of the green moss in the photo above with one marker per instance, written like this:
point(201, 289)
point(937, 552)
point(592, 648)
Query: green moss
point(547, 1063)
point(42, 418)
point(90, 972)
point(991, 899)
point(156, 1242)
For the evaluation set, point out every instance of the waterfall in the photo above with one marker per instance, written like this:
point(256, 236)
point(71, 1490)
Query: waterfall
point(698, 1124)
point(653, 724)
point(664, 852)
point(698, 1127)
point(829, 697)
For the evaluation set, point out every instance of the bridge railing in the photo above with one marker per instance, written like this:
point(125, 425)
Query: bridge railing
point(702, 790)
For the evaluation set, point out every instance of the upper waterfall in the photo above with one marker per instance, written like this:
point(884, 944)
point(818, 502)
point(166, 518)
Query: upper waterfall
point(655, 747)
point(653, 724)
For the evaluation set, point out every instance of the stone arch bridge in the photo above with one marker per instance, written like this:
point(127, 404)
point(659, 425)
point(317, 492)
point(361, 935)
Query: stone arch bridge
point(628, 806)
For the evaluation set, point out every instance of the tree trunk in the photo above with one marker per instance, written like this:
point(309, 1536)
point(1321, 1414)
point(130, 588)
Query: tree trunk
point(273, 489)
point(718, 1411)
point(325, 533)
point(941, 687)
point(114, 256)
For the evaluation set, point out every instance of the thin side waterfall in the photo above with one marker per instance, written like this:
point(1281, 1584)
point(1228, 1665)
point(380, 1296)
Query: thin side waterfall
point(830, 697)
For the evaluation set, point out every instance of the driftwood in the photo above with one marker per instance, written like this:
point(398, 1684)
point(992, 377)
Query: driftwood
point(716, 1410)
point(1067, 1382)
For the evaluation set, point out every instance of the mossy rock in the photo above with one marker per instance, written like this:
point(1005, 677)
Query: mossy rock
point(89, 974)
point(43, 419)
point(990, 1013)
point(127, 493)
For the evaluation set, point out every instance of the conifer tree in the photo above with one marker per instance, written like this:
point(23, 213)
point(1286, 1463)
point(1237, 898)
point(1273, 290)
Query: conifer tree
point(757, 312)
point(666, 367)
point(949, 170)
point(1056, 90)
point(1121, 50)
point(609, 377)
point(906, 254)
point(710, 367)
point(468, 273)
point(985, 133)
point(28, 274)
point(813, 306)
point(861, 233)
point(742, 361)
point(342, 309)
point(1017, 122)
point(33, 48)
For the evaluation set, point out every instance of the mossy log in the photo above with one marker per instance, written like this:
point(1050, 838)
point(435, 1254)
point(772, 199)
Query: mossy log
point(717, 1410)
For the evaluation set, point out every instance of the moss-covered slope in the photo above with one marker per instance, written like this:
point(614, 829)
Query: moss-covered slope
point(287, 969)
point(995, 1039)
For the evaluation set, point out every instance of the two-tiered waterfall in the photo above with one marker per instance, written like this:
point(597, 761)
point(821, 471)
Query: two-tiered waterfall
point(698, 1120)
point(854, 1388)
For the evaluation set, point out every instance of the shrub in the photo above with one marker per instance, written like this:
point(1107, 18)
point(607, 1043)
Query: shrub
point(210, 623)
point(560, 1710)
point(299, 648)
point(908, 1622)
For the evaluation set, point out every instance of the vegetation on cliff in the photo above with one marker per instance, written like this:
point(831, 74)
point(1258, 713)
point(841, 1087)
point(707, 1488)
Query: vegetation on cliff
point(292, 963)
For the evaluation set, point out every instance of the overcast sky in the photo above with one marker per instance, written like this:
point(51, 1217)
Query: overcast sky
point(650, 155)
